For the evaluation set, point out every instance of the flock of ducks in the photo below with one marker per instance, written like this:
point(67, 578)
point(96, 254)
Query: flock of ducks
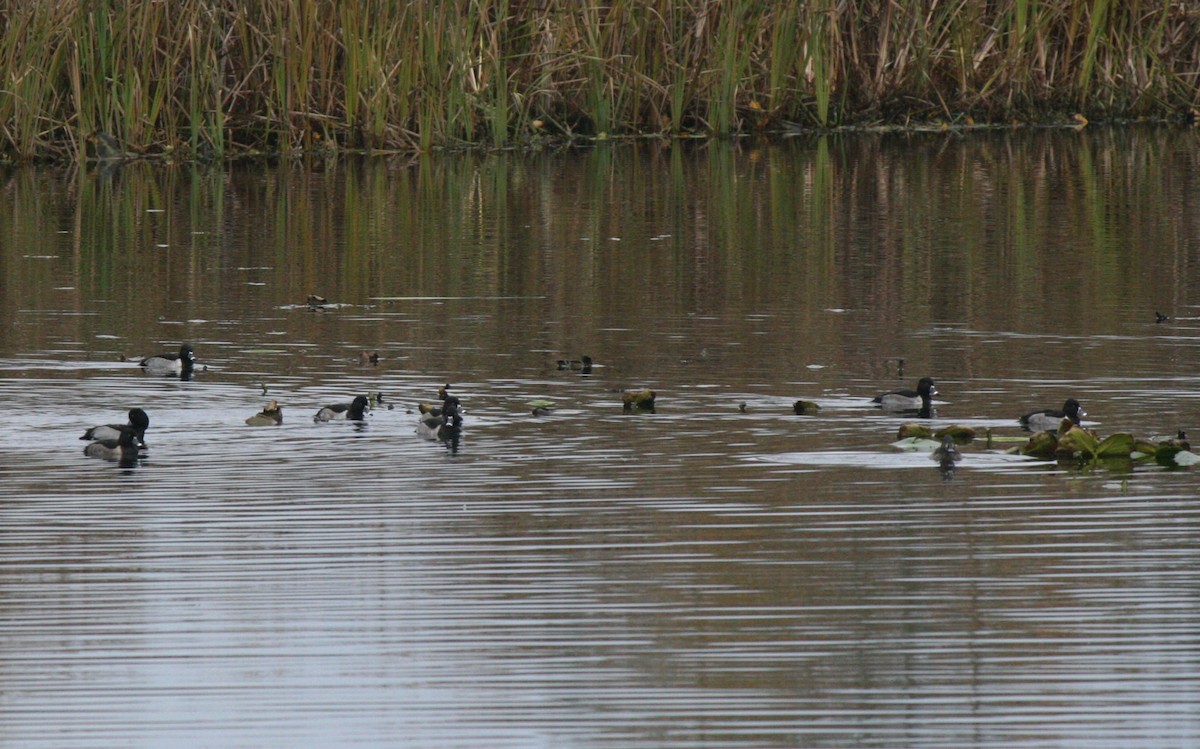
point(444, 421)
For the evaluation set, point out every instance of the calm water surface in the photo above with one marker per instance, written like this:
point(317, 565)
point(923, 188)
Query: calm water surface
point(700, 576)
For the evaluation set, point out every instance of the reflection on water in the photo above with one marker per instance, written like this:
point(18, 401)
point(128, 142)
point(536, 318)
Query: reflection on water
point(722, 572)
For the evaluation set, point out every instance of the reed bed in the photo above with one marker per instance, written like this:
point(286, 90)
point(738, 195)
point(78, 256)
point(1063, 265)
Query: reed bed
point(224, 77)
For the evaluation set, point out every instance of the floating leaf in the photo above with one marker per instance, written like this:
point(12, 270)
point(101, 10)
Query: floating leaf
point(1041, 445)
point(804, 408)
point(542, 403)
point(1118, 445)
point(1078, 441)
point(917, 443)
point(912, 430)
point(1186, 458)
point(959, 434)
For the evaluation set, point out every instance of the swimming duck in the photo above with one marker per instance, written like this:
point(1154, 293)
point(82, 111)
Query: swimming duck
point(271, 415)
point(1048, 420)
point(445, 426)
point(947, 452)
point(583, 364)
point(909, 400)
point(343, 411)
point(138, 422)
point(124, 448)
point(368, 358)
point(430, 409)
point(180, 364)
point(315, 301)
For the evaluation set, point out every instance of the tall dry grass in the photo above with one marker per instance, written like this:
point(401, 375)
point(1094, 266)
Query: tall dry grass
point(225, 76)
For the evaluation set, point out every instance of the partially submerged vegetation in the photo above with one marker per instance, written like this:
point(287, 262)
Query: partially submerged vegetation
point(212, 78)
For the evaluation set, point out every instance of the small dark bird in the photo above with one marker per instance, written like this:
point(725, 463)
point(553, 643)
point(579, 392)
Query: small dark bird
point(368, 357)
point(1160, 317)
point(316, 302)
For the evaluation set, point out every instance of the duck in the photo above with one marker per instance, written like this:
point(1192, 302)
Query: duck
point(429, 409)
point(180, 364)
point(368, 358)
point(445, 426)
point(1048, 419)
point(343, 411)
point(271, 415)
point(124, 448)
point(138, 422)
point(316, 301)
point(1160, 317)
point(947, 453)
point(582, 364)
point(909, 400)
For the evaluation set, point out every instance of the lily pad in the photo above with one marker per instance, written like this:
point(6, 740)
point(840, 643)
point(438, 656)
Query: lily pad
point(1119, 445)
point(959, 434)
point(1186, 458)
point(1041, 445)
point(912, 430)
point(805, 408)
point(917, 443)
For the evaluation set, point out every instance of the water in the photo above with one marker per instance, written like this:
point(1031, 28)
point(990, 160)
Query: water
point(700, 576)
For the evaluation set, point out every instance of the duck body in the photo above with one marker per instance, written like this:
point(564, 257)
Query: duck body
point(171, 364)
point(909, 400)
point(1047, 420)
point(583, 364)
point(138, 423)
point(947, 453)
point(271, 415)
point(123, 449)
point(343, 411)
point(445, 426)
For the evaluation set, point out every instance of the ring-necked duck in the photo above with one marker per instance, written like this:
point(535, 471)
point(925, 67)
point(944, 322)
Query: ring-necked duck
point(124, 448)
point(909, 400)
point(445, 426)
point(138, 422)
point(171, 364)
point(582, 364)
point(1048, 420)
point(339, 411)
point(271, 415)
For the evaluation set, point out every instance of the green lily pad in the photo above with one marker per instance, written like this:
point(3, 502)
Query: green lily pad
point(959, 434)
point(805, 408)
point(1041, 445)
point(1119, 445)
point(1078, 441)
point(910, 431)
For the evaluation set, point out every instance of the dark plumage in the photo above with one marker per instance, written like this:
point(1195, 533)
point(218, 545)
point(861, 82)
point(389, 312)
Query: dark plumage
point(124, 448)
point(180, 364)
point(1047, 420)
point(343, 411)
point(138, 423)
point(909, 400)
